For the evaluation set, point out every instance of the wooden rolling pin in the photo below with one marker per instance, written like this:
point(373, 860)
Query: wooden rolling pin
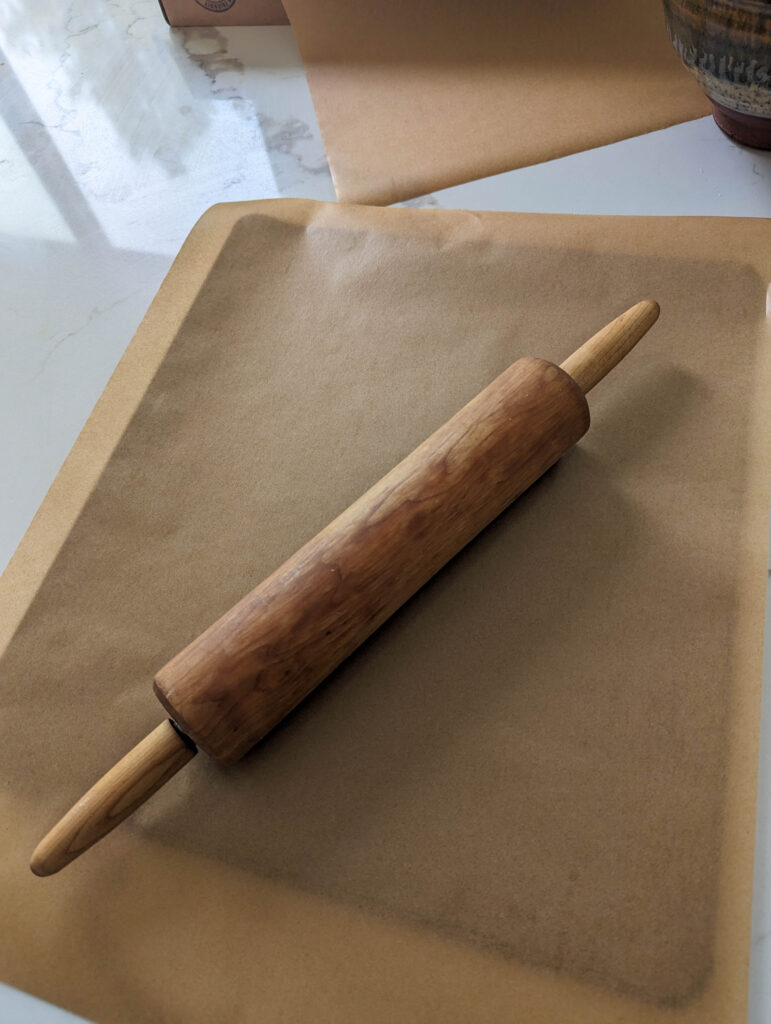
point(229, 687)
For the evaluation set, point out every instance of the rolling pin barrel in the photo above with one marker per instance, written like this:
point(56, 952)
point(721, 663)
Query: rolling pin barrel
point(248, 670)
point(239, 678)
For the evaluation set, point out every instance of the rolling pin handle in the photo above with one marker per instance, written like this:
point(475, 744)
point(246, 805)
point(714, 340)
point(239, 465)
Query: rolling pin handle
point(597, 356)
point(125, 787)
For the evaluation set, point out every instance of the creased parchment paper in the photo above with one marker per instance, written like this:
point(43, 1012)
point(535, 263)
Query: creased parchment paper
point(531, 795)
point(414, 97)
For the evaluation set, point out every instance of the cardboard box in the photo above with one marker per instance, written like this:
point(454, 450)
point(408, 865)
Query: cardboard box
point(192, 13)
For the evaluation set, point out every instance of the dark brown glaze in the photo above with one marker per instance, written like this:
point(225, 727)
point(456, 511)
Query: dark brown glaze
point(745, 129)
point(237, 680)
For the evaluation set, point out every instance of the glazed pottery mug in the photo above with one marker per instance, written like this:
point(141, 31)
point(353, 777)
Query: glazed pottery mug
point(726, 44)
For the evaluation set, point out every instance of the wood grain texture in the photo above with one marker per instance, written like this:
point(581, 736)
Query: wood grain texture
point(237, 680)
point(147, 767)
point(605, 349)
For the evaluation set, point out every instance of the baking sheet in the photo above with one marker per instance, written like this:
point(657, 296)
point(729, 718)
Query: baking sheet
point(533, 791)
point(416, 97)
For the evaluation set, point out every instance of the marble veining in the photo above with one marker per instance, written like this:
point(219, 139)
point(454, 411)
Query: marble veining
point(117, 133)
point(294, 138)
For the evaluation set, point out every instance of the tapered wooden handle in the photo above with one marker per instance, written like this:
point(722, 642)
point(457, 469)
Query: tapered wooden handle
point(597, 356)
point(115, 796)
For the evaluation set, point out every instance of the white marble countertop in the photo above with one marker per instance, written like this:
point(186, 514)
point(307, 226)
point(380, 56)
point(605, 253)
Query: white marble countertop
point(117, 133)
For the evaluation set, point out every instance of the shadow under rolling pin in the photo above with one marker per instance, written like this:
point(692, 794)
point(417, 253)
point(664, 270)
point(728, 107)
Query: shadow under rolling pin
point(230, 686)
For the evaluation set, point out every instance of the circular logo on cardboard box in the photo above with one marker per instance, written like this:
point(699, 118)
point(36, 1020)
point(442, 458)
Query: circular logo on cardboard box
point(218, 6)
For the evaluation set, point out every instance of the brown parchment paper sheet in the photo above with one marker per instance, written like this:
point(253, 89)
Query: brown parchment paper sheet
point(414, 97)
point(531, 795)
